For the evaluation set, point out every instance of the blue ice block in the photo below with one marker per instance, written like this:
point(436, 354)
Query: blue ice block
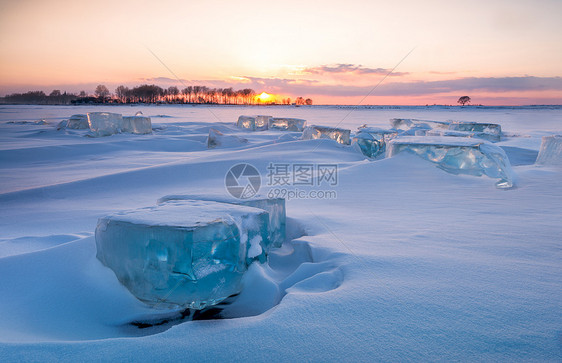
point(286, 124)
point(458, 155)
point(253, 123)
point(408, 123)
point(550, 152)
point(369, 145)
point(487, 131)
point(341, 136)
point(185, 253)
point(274, 206)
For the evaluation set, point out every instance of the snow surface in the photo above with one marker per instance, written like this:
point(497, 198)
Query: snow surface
point(407, 263)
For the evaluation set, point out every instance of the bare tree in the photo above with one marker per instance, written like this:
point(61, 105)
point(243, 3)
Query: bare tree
point(173, 91)
point(101, 91)
point(187, 92)
point(121, 92)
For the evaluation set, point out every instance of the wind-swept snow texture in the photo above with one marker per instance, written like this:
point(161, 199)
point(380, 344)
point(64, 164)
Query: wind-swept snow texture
point(406, 263)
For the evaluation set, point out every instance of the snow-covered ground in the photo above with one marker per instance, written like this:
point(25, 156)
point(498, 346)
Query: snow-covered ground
point(398, 261)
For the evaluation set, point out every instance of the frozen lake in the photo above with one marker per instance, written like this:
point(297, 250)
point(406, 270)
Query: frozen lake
point(399, 261)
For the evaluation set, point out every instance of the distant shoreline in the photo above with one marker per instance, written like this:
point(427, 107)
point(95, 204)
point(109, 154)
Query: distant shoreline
point(471, 107)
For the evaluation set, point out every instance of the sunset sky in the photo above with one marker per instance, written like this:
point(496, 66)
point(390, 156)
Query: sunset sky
point(335, 52)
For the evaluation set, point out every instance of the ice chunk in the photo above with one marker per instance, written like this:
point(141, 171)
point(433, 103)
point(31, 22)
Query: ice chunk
point(368, 145)
point(323, 132)
point(372, 140)
point(136, 125)
point(274, 206)
point(550, 152)
point(277, 218)
point(78, 122)
point(453, 133)
point(105, 123)
point(286, 124)
point(379, 133)
point(62, 125)
point(254, 123)
point(458, 156)
point(476, 126)
point(182, 253)
point(407, 123)
point(491, 132)
point(217, 138)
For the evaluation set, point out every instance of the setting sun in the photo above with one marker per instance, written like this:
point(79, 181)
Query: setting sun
point(265, 97)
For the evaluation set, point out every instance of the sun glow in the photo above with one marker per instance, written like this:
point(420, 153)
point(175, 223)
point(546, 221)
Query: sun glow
point(265, 97)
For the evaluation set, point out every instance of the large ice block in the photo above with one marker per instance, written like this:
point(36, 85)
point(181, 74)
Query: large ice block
point(218, 139)
point(550, 152)
point(286, 124)
point(182, 253)
point(78, 122)
point(458, 156)
point(105, 123)
point(368, 145)
point(408, 123)
point(491, 132)
point(253, 123)
point(375, 143)
point(342, 136)
point(472, 134)
point(136, 125)
point(476, 126)
point(274, 206)
point(380, 133)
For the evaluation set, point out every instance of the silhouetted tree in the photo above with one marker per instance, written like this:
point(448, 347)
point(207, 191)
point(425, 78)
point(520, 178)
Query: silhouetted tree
point(122, 92)
point(187, 92)
point(173, 91)
point(101, 92)
point(308, 101)
point(148, 94)
point(463, 100)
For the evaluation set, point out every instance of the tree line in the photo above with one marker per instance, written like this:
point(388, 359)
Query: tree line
point(151, 94)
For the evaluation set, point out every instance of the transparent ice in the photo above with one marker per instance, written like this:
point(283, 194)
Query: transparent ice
point(274, 206)
point(182, 253)
point(253, 123)
point(472, 134)
point(104, 123)
point(408, 123)
point(550, 152)
point(78, 122)
point(341, 136)
point(286, 124)
point(458, 156)
point(136, 125)
point(492, 132)
point(372, 140)
point(368, 145)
